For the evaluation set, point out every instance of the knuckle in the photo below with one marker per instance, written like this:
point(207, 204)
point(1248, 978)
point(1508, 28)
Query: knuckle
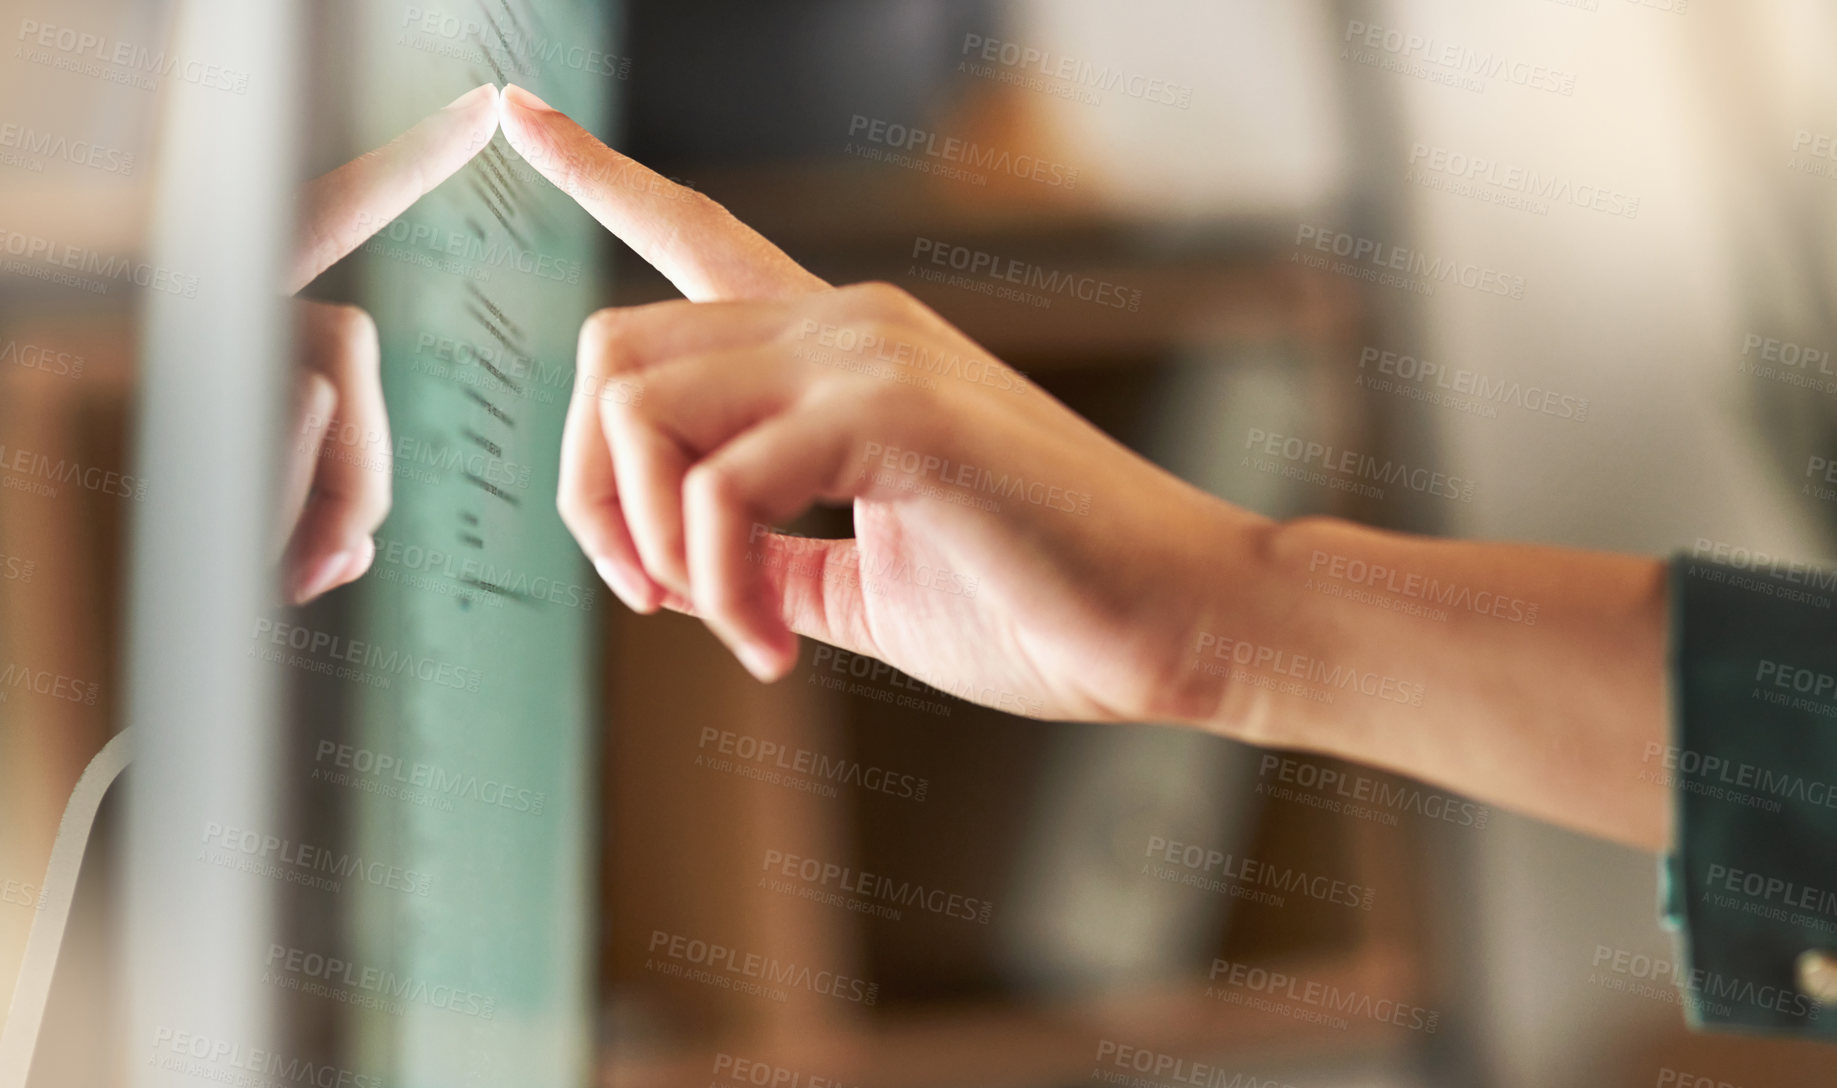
point(879, 298)
point(718, 600)
point(354, 322)
point(706, 482)
point(315, 398)
point(883, 401)
point(707, 487)
point(599, 328)
point(354, 331)
point(602, 349)
point(869, 399)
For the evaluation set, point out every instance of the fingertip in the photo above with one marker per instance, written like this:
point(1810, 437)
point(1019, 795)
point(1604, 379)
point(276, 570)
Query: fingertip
point(472, 118)
point(515, 107)
point(767, 663)
point(481, 95)
point(525, 100)
point(362, 556)
point(312, 578)
point(533, 128)
point(517, 125)
point(496, 107)
point(637, 591)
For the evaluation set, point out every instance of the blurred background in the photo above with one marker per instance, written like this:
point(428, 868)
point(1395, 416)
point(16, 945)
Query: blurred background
point(1610, 313)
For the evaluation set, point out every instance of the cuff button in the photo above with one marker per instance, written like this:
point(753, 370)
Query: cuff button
point(1818, 975)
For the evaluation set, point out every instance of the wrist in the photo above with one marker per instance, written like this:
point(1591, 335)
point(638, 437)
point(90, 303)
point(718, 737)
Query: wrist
point(1222, 589)
point(1259, 643)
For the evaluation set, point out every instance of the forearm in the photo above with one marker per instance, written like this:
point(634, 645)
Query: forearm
point(1528, 677)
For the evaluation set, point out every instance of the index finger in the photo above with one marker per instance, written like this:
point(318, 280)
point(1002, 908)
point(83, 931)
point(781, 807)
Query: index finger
point(697, 244)
point(339, 210)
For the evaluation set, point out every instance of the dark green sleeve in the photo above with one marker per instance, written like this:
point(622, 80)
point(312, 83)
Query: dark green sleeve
point(1751, 882)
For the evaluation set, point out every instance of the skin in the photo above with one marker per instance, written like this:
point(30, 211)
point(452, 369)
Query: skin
point(336, 484)
point(1112, 592)
point(700, 422)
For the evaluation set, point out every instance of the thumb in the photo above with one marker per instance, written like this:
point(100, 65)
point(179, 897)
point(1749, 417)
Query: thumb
point(697, 244)
point(817, 585)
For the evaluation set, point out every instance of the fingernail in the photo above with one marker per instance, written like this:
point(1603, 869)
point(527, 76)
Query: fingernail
point(319, 577)
point(524, 99)
point(471, 94)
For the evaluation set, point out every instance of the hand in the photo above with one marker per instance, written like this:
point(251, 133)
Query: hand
point(336, 486)
point(1006, 550)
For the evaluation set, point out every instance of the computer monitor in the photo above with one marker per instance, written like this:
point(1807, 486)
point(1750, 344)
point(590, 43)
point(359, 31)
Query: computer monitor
point(359, 836)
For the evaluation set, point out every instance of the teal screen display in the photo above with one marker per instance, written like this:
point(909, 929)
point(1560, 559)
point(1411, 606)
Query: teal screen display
point(475, 773)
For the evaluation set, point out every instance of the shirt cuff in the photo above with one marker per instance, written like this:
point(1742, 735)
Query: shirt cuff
point(1751, 881)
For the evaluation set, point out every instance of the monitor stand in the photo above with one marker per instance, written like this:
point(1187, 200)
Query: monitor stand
point(56, 976)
